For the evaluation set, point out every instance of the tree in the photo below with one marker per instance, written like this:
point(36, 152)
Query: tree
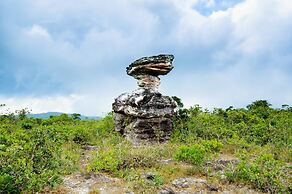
point(2, 105)
point(285, 106)
point(260, 107)
point(76, 116)
point(178, 101)
point(259, 104)
point(22, 114)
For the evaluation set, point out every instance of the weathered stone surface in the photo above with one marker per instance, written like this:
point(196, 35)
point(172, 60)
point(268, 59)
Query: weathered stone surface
point(149, 130)
point(155, 66)
point(142, 130)
point(188, 181)
point(167, 191)
point(144, 103)
point(148, 82)
point(148, 175)
point(145, 115)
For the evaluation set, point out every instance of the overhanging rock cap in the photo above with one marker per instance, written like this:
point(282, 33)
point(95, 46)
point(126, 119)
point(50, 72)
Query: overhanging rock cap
point(154, 65)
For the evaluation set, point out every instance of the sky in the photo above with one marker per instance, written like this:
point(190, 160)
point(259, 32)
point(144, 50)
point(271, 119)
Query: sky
point(71, 55)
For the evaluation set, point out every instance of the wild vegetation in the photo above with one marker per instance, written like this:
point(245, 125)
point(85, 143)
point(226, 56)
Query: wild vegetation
point(36, 153)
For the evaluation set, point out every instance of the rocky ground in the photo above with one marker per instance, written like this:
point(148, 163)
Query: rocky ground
point(91, 183)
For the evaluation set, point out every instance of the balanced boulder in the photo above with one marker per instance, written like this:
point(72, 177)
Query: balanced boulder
point(145, 115)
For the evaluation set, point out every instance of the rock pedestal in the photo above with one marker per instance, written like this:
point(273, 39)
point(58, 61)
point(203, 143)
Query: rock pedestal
point(145, 115)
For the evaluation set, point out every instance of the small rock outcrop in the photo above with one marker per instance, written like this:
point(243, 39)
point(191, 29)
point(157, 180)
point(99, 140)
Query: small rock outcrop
point(145, 115)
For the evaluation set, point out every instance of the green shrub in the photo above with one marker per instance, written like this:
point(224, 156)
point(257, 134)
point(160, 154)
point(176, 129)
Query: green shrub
point(106, 161)
point(82, 135)
point(30, 160)
point(118, 158)
point(106, 126)
point(212, 145)
point(197, 153)
point(263, 172)
point(194, 154)
point(143, 157)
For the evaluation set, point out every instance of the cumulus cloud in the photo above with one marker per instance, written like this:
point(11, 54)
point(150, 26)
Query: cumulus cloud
point(228, 52)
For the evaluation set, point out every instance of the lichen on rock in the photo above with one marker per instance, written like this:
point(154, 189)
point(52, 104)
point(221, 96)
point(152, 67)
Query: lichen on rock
point(145, 115)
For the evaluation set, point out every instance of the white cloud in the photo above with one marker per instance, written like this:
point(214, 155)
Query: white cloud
point(37, 30)
point(41, 104)
point(259, 27)
point(249, 50)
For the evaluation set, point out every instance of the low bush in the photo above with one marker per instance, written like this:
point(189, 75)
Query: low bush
point(106, 161)
point(144, 157)
point(118, 158)
point(194, 154)
point(29, 159)
point(212, 145)
point(197, 153)
point(262, 172)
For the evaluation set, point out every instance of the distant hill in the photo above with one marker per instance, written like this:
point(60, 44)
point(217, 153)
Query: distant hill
point(48, 114)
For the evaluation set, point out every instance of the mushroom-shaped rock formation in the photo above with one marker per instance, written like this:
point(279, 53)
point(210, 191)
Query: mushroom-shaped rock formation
point(145, 115)
point(147, 69)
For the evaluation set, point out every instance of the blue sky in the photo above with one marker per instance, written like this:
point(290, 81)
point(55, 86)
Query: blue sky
point(71, 55)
